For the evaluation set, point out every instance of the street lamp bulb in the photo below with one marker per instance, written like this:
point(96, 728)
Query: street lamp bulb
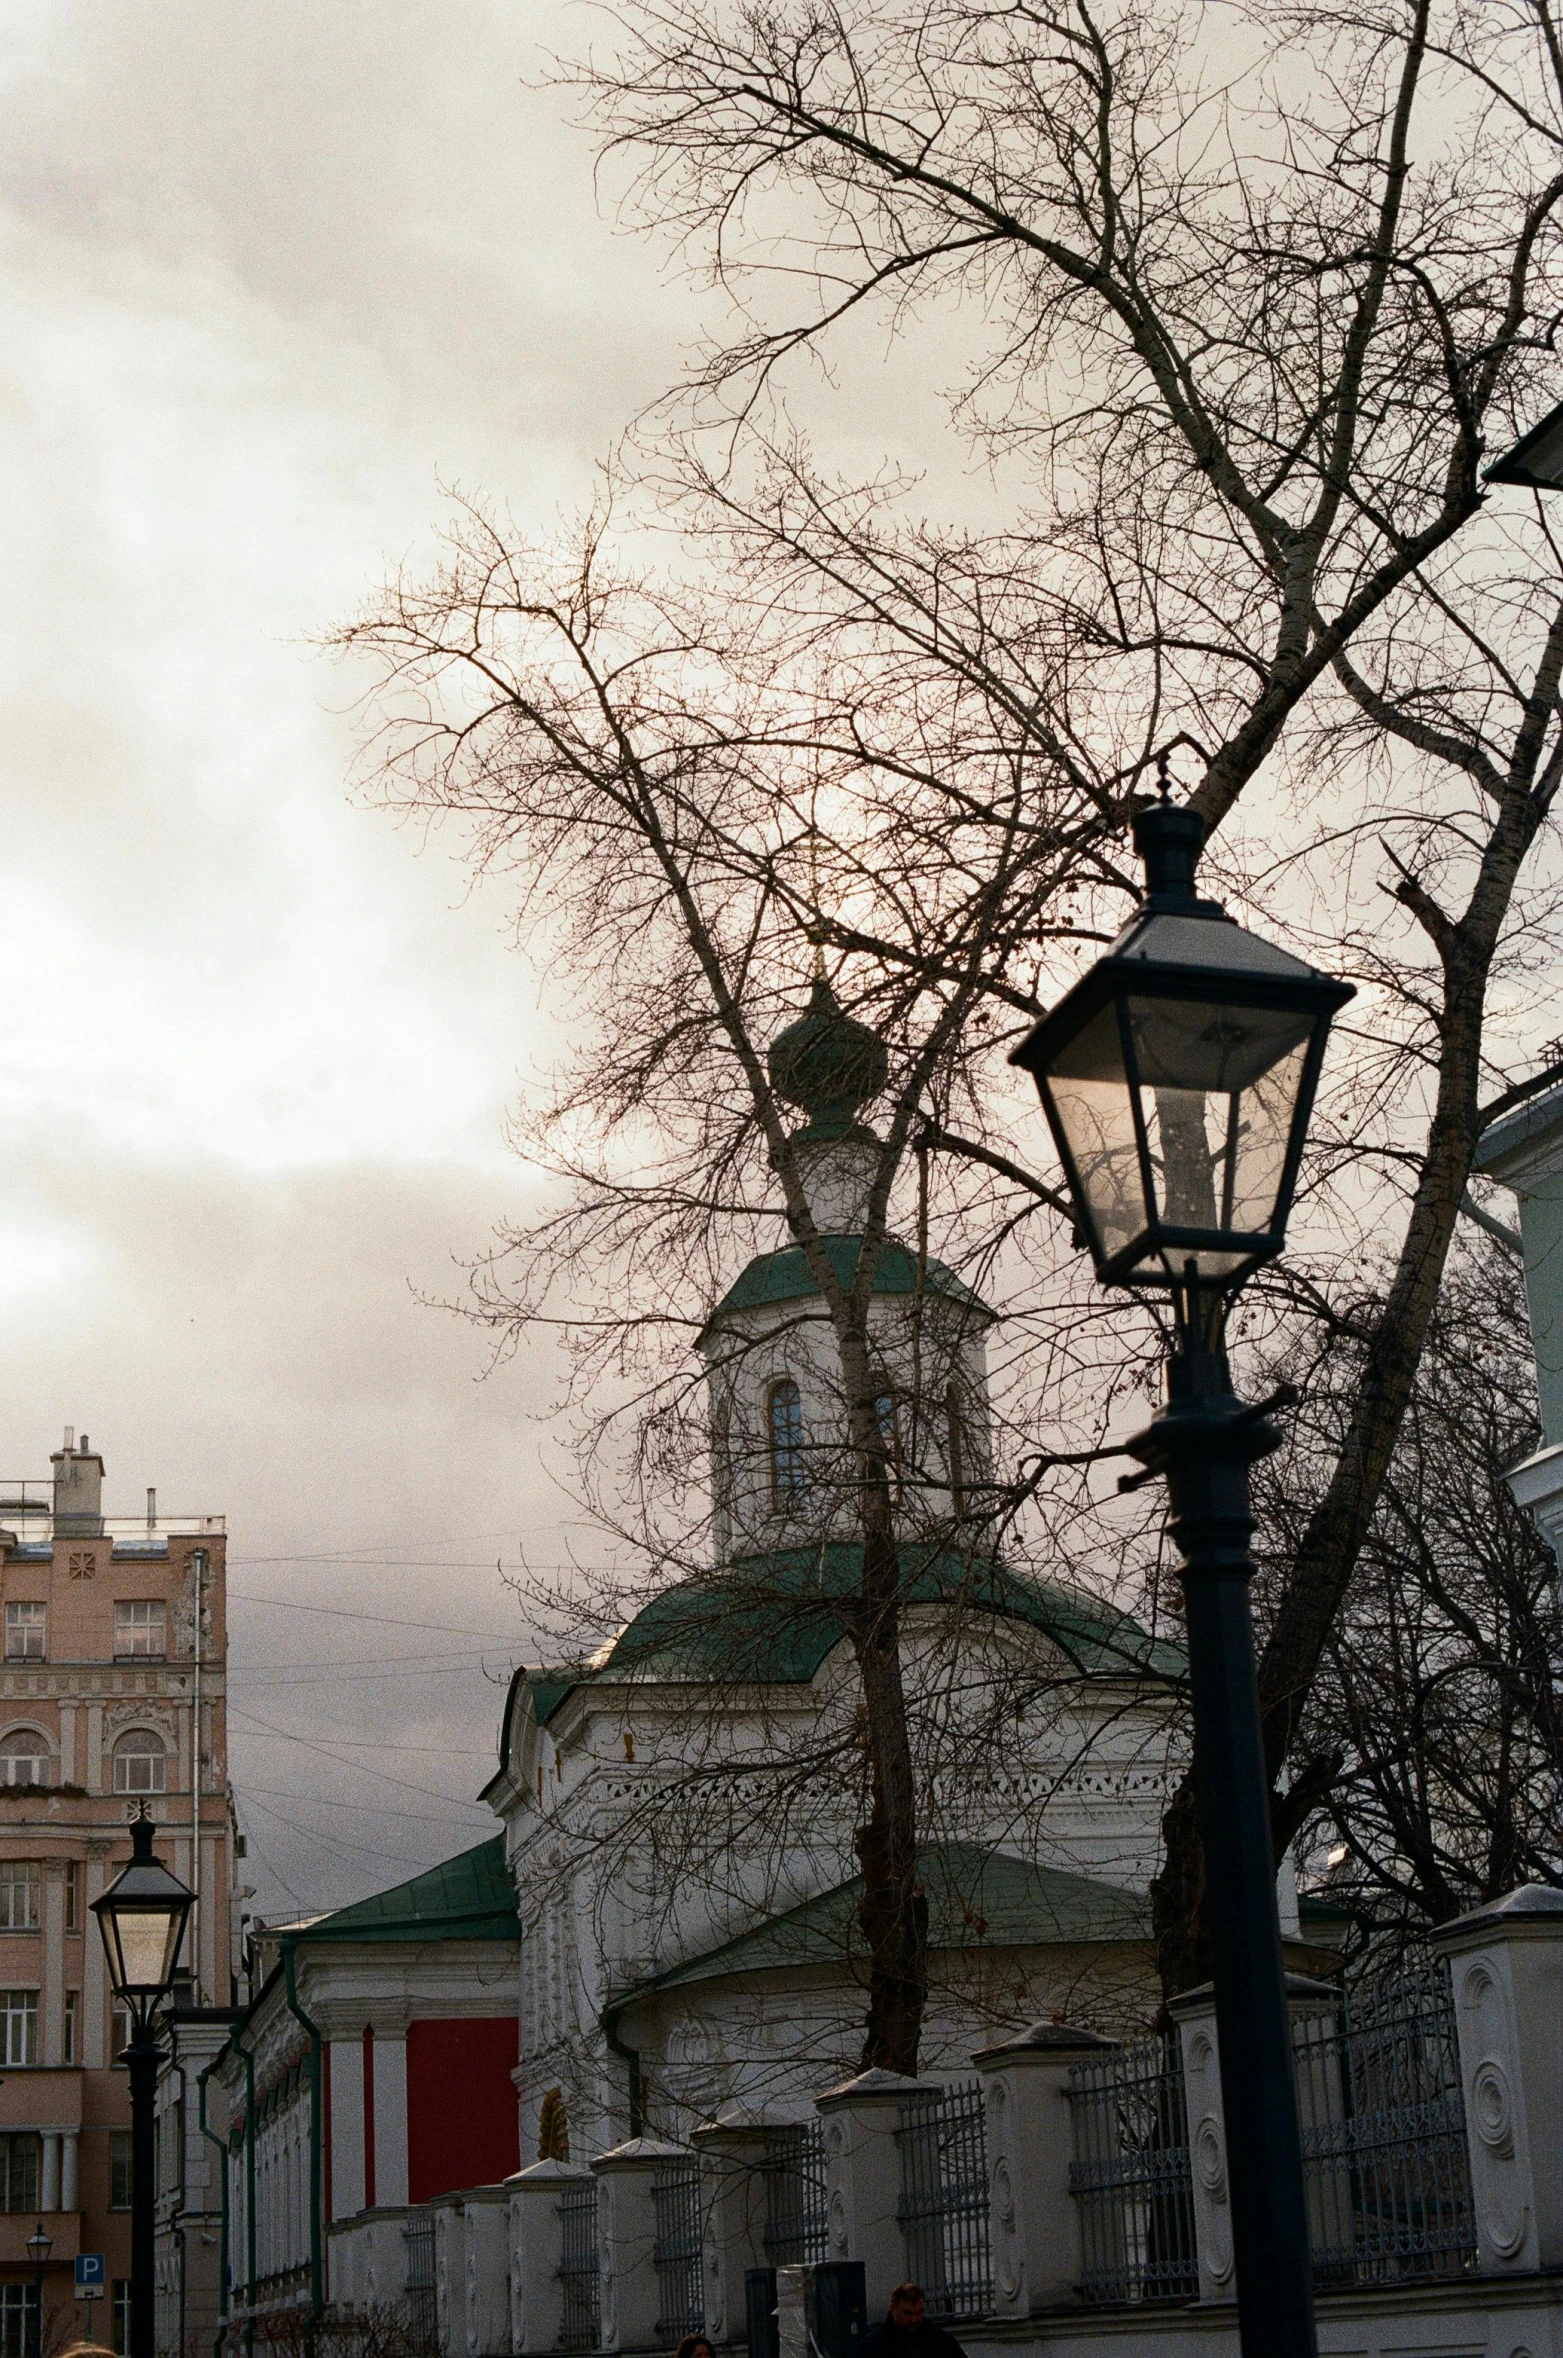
point(40, 2243)
point(142, 1918)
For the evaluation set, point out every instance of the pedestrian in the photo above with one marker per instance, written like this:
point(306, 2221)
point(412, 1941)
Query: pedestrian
point(694, 2345)
point(906, 2332)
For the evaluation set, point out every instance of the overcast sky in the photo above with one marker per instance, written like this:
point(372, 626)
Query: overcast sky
point(271, 273)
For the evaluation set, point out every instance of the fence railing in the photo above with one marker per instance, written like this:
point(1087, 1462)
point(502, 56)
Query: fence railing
point(944, 2207)
point(580, 2322)
point(1130, 2174)
point(1383, 2133)
point(794, 2172)
point(418, 2238)
point(675, 2194)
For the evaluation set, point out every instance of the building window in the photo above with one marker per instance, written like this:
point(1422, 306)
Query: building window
point(120, 2036)
point(887, 1415)
point(121, 2316)
point(73, 2026)
point(120, 2170)
point(18, 1895)
point(18, 2320)
point(138, 1629)
point(19, 2172)
point(784, 1415)
point(140, 1763)
point(25, 1758)
point(72, 1897)
point(955, 1421)
point(18, 2027)
point(25, 1626)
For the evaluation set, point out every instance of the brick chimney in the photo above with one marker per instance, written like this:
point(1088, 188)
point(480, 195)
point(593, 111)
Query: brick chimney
point(78, 1490)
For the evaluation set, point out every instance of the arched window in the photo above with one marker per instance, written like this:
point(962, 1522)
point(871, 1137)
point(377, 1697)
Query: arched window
point(887, 1411)
point(955, 1421)
point(784, 1419)
point(25, 1758)
point(140, 1763)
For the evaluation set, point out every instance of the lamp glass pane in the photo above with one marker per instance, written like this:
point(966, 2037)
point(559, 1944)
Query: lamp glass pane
point(1090, 1093)
point(148, 1941)
point(1222, 1094)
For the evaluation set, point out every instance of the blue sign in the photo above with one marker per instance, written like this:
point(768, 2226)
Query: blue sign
point(90, 2277)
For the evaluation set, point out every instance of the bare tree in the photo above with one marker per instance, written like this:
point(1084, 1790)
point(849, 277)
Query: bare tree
point(1440, 1695)
point(1245, 330)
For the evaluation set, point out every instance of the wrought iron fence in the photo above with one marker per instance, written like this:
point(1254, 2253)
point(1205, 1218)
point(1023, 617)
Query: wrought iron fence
point(1383, 2131)
point(944, 2207)
point(1130, 2173)
point(418, 2237)
point(681, 2305)
point(580, 2321)
point(794, 2171)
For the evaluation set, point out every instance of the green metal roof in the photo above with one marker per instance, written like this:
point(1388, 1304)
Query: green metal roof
point(977, 1899)
point(774, 1619)
point(787, 1277)
point(469, 1897)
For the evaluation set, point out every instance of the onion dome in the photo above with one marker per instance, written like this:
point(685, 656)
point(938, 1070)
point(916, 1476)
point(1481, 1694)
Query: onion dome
point(828, 1064)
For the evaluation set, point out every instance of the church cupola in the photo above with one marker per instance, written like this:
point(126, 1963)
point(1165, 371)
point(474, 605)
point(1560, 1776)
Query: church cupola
point(828, 1065)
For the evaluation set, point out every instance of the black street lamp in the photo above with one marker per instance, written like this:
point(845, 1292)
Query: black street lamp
point(40, 2243)
point(142, 1918)
point(1177, 1078)
point(1536, 460)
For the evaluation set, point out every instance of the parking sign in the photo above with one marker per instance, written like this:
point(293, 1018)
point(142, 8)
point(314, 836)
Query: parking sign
point(89, 2274)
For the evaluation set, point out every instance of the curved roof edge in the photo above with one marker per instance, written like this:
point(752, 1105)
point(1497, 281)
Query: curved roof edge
point(785, 1276)
point(774, 1619)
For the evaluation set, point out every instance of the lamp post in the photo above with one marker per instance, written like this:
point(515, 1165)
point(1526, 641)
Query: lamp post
point(1177, 1078)
point(142, 1918)
point(40, 2243)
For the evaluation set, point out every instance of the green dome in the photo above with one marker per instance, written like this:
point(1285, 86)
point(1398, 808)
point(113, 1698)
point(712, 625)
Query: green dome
point(828, 1064)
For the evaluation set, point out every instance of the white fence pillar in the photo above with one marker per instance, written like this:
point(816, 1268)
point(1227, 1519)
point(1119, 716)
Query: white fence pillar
point(450, 2276)
point(536, 2249)
point(485, 2212)
point(1037, 2255)
point(1195, 2015)
point(732, 2219)
point(1507, 1966)
point(863, 2178)
point(627, 2239)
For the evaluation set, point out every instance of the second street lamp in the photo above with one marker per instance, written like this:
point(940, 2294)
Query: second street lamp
point(39, 2244)
point(142, 1918)
point(1177, 1077)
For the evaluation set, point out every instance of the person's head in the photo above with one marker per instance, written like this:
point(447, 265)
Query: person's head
point(693, 2345)
point(907, 2306)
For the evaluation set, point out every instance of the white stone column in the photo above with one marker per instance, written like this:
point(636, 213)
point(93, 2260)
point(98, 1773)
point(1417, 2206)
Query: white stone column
point(1038, 2258)
point(626, 2239)
point(536, 2248)
point(732, 2216)
point(450, 2276)
point(1506, 1962)
point(70, 2170)
point(347, 2193)
point(486, 2214)
point(52, 2026)
point(93, 1765)
point(94, 1986)
point(49, 2193)
point(1195, 2015)
point(67, 1743)
point(390, 2116)
point(863, 2178)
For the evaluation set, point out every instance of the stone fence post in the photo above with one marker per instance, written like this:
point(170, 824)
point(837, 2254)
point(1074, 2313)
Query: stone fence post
point(732, 2217)
point(863, 2178)
point(1037, 2255)
point(627, 2239)
point(1195, 2015)
point(450, 2275)
point(485, 2212)
point(1506, 1962)
point(536, 2249)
